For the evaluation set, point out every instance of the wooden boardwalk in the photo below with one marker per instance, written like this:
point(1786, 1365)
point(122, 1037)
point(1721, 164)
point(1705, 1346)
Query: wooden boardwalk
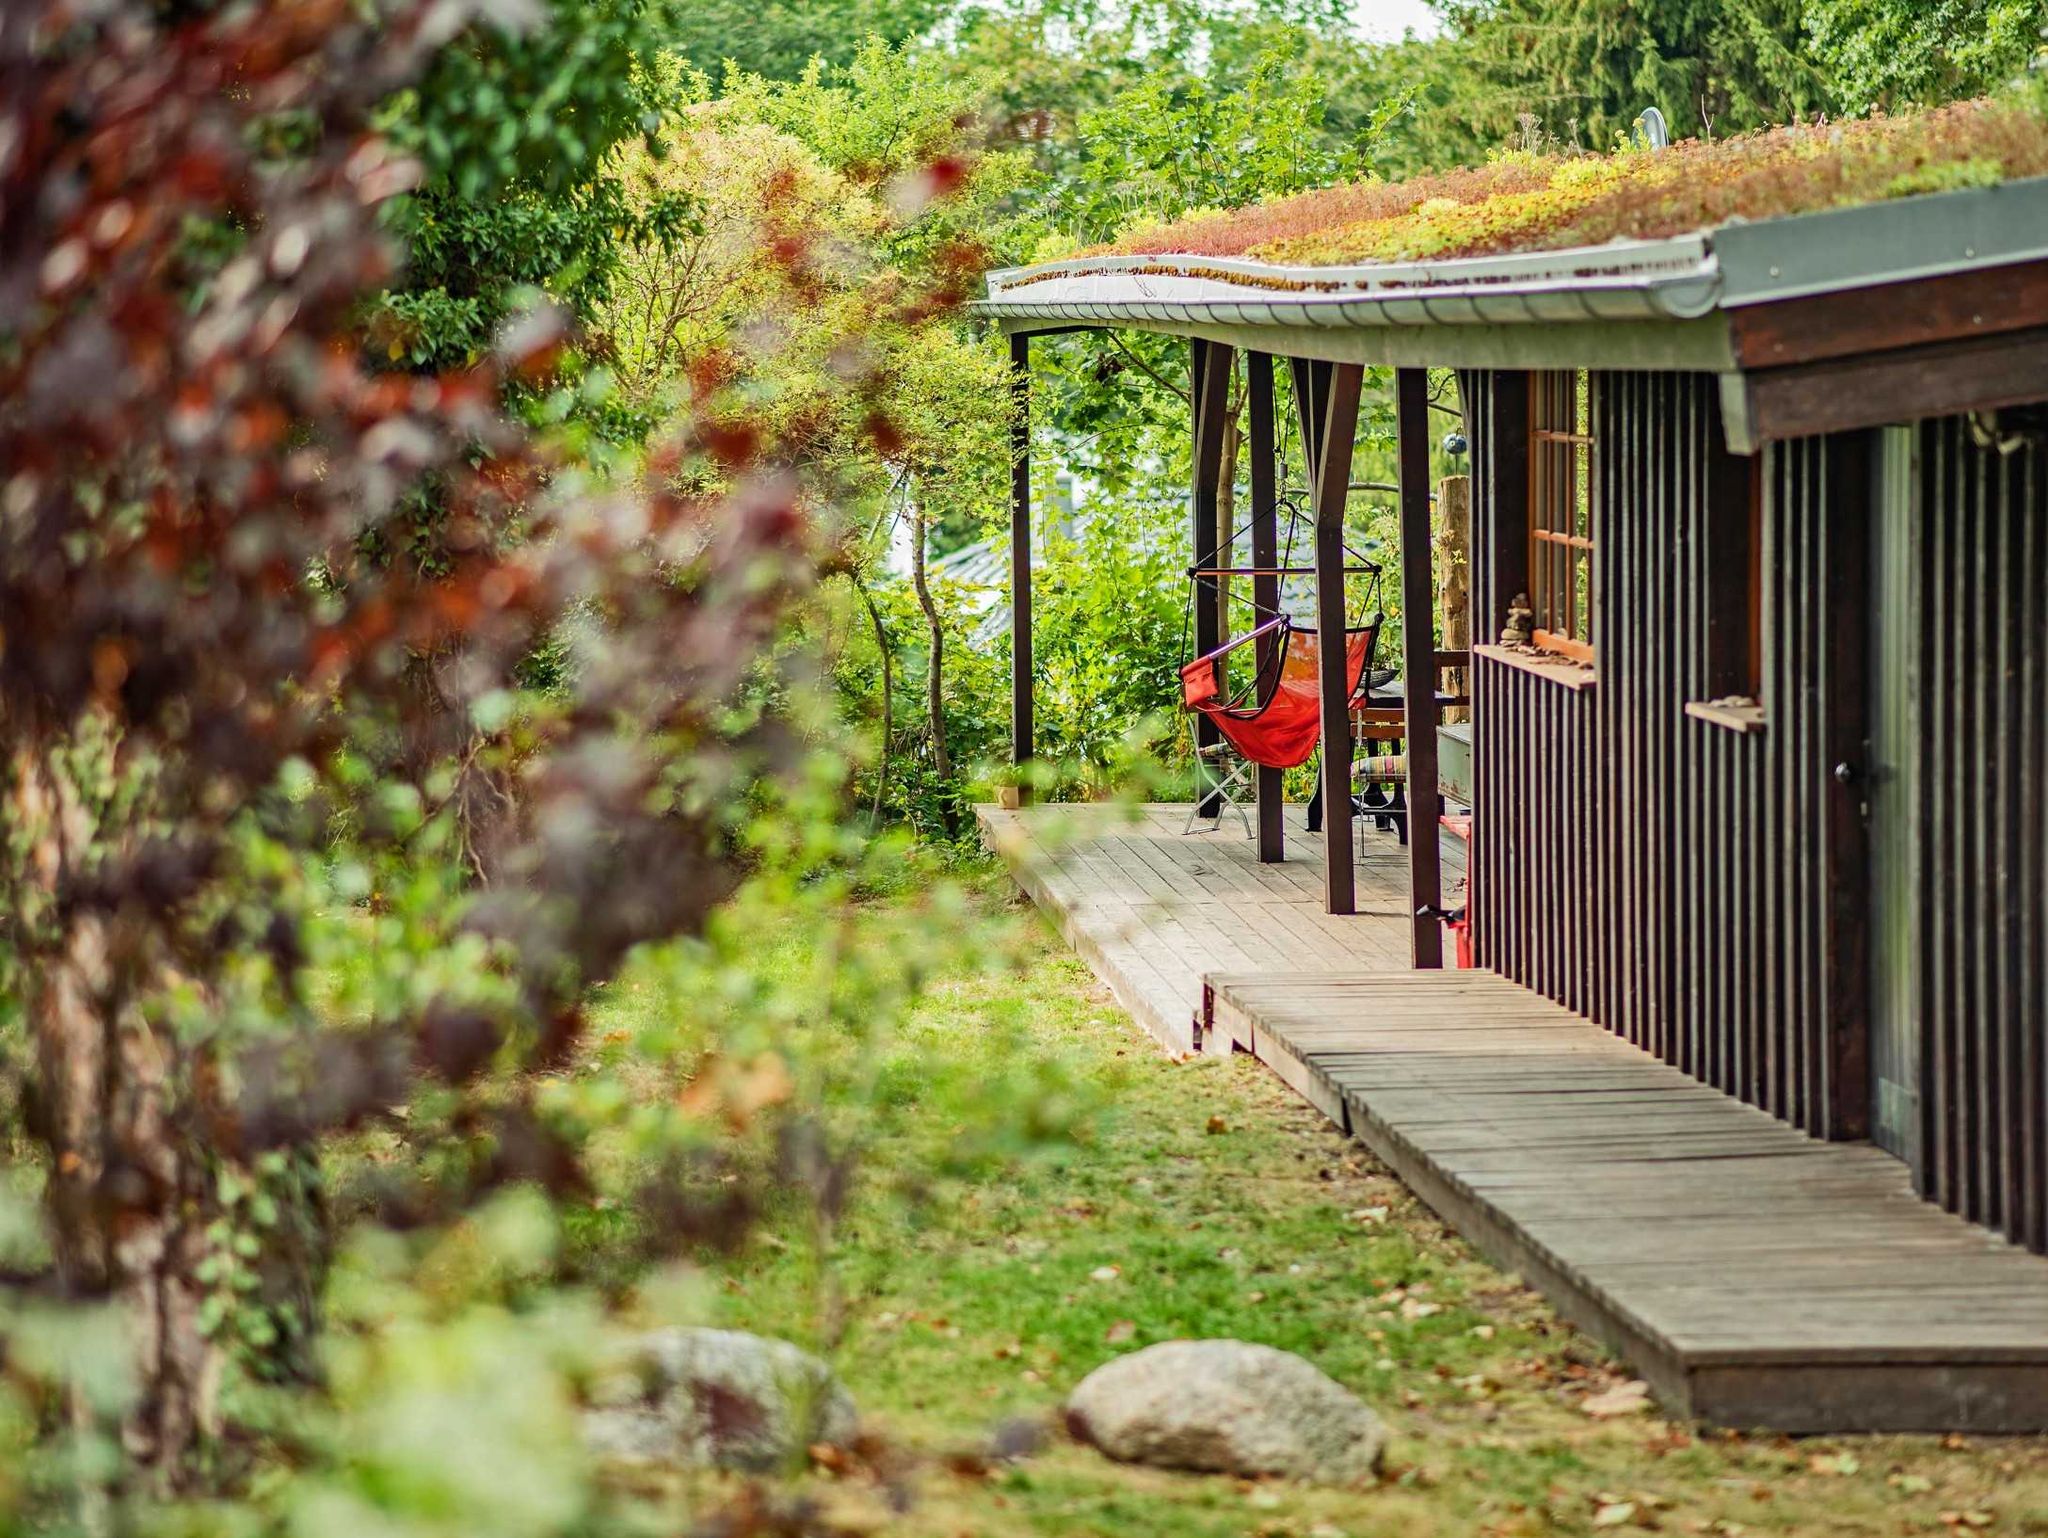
point(1754, 1276)
point(1153, 909)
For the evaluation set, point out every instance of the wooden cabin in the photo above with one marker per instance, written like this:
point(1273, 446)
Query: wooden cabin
point(1759, 577)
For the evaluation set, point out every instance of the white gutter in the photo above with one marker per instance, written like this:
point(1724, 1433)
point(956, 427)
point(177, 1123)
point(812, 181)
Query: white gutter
point(1678, 279)
point(1634, 280)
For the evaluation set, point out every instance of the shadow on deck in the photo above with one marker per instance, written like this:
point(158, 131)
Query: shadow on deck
point(1755, 1276)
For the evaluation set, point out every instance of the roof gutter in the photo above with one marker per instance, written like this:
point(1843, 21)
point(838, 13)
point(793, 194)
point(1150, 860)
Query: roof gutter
point(1641, 280)
point(1682, 279)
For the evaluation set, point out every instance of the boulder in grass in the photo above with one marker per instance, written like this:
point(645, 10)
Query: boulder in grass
point(1228, 1407)
point(719, 1398)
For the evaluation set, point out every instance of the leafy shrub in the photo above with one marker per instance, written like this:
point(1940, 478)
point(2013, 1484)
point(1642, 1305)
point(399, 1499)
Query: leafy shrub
point(298, 863)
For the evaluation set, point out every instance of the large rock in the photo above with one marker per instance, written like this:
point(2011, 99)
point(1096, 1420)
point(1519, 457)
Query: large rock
point(719, 1397)
point(1226, 1406)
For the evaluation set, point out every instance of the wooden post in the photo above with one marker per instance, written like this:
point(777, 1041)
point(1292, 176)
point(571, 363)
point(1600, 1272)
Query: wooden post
point(1022, 729)
point(1454, 545)
point(1418, 666)
point(1328, 395)
point(1209, 375)
point(1266, 589)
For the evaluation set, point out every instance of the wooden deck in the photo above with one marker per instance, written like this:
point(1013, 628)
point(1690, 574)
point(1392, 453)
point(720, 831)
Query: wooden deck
point(1754, 1276)
point(1153, 909)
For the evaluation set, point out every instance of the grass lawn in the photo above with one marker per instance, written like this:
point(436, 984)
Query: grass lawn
point(1094, 1198)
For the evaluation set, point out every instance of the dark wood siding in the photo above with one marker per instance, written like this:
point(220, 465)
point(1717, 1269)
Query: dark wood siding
point(1677, 881)
point(1979, 558)
point(1706, 892)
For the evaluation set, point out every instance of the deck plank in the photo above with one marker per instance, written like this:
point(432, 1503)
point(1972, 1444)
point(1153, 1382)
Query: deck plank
point(1755, 1276)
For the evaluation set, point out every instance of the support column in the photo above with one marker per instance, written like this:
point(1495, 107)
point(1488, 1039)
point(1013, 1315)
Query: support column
point(1328, 394)
point(1418, 667)
point(1209, 393)
point(1022, 729)
point(1266, 588)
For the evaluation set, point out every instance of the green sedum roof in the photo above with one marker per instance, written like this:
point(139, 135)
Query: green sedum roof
point(1525, 202)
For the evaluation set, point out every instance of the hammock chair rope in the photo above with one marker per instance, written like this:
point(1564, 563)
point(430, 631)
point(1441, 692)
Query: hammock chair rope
point(1276, 719)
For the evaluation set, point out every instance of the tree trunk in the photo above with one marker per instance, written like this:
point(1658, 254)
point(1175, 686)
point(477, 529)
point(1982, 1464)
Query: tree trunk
point(128, 1201)
point(888, 695)
point(935, 674)
point(1453, 545)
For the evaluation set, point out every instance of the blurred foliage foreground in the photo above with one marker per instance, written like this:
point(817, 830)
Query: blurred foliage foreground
point(384, 660)
point(457, 676)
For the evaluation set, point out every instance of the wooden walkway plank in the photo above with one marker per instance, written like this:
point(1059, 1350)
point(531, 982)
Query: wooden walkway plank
point(1755, 1276)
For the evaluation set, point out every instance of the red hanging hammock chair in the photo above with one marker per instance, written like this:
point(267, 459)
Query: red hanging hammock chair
point(1282, 724)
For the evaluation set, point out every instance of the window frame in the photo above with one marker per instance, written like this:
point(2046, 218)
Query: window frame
point(1562, 533)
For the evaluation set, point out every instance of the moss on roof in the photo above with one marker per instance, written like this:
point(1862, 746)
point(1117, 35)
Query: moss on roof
point(1548, 202)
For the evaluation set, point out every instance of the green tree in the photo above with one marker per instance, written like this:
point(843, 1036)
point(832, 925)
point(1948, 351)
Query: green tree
point(1889, 54)
point(513, 131)
point(779, 39)
point(860, 179)
point(1056, 63)
point(1582, 70)
point(1169, 146)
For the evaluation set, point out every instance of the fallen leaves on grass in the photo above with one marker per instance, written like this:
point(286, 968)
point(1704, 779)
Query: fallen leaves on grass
point(737, 1092)
point(829, 1458)
point(1119, 1332)
point(1630, 1398)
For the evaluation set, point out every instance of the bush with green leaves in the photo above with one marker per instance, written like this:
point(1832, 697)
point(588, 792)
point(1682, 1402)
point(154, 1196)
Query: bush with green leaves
point(1885, 55)
point(304, 889)
point(512, 131)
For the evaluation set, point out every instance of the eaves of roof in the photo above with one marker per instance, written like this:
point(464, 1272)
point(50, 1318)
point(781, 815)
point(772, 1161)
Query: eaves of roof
point(1657, 303)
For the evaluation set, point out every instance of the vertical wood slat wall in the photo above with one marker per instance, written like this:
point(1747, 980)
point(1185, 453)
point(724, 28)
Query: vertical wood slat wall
point(1663, 875)
point(1671, 879)
point(1979, 559)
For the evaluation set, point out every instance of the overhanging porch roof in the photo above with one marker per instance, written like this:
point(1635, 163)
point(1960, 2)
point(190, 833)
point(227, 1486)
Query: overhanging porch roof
point(1752, 302)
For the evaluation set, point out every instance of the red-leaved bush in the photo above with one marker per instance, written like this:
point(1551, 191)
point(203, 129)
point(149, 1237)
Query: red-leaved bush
point(196, 457)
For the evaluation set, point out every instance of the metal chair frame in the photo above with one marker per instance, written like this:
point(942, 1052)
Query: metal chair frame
point(1230, 777)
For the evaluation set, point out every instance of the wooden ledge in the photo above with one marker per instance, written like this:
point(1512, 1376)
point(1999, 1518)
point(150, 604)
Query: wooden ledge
point(1736, 715)
point(1559, 670)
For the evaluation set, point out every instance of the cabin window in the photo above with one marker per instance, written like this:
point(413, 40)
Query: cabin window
point(1561, 513)
point(1734, 522)
point(1733, 519)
